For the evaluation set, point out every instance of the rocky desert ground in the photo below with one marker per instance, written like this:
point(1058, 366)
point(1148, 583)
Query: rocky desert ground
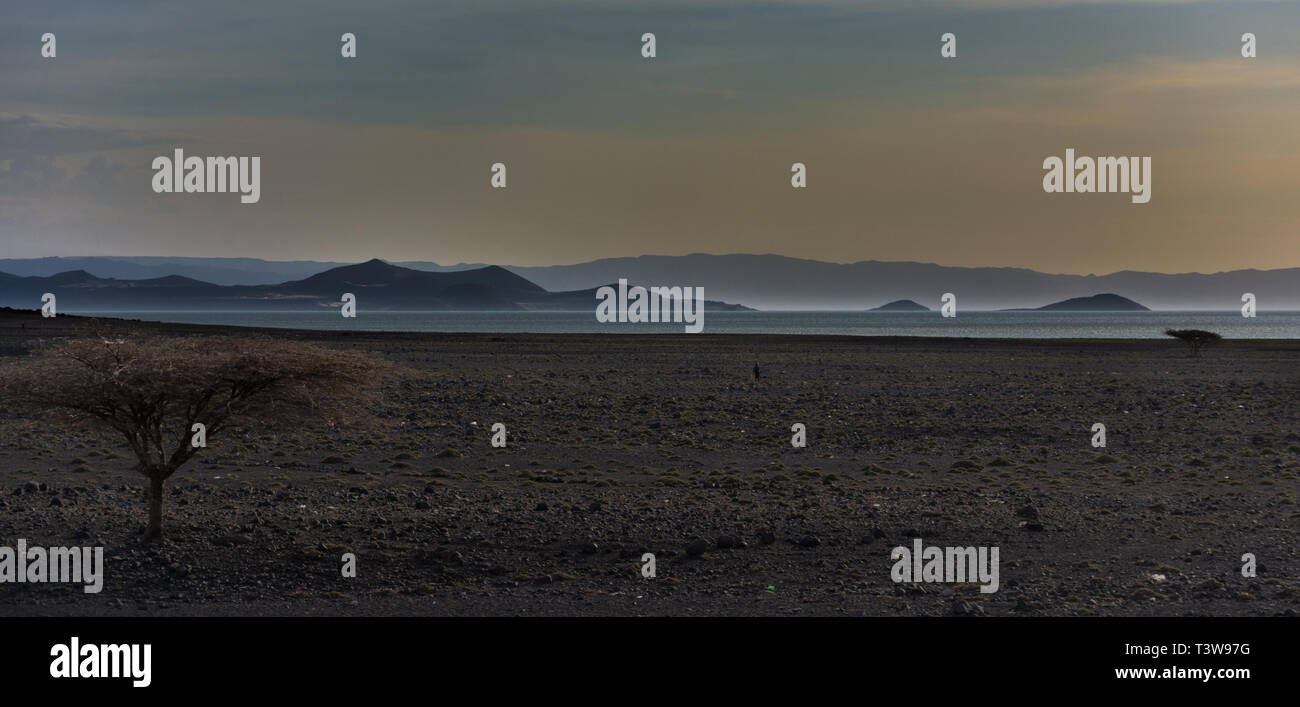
point(623, 445)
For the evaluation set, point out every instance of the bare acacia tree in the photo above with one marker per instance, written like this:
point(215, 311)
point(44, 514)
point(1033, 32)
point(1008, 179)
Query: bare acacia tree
point(1195, 338)
point(154, 390)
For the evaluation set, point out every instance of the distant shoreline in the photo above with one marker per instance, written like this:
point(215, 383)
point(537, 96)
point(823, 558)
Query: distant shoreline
point(29, 324)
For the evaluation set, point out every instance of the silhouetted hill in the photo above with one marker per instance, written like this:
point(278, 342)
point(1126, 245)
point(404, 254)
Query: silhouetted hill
point(377, 285)
point(218, 271)
point(385, 285)
point(72, 277)
point(1096, 303)
point(902, 305)
point(168, 281)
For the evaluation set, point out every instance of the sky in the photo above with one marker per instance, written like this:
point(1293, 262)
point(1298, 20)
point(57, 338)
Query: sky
point(909, 155)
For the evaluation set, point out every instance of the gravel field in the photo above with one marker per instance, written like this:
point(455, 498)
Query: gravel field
point(622, 445)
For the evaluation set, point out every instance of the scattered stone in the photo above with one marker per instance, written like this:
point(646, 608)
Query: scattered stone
point(727, 542)
point(697, 547)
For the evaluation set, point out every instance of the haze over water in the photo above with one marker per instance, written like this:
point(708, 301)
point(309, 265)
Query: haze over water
point(1026, 325)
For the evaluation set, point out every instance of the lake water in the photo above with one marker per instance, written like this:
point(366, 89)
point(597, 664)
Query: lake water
point(1030, 325)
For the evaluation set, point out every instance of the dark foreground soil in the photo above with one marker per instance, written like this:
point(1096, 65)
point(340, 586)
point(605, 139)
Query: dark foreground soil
point(623, 445)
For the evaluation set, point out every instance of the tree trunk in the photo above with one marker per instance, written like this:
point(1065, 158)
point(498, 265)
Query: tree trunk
point(154, 533)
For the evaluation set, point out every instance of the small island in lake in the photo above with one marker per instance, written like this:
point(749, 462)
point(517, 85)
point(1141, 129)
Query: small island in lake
point(1096, 303)
point(902, 305)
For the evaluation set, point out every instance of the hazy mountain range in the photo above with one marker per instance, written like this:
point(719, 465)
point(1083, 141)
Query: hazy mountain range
point(759, 281)
point(376, 284)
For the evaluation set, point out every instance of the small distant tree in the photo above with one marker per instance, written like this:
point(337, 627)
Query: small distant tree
point(1195, 338)
point(153, 390)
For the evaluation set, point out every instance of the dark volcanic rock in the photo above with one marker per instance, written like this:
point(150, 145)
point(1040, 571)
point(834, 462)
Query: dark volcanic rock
point(727, 542)
point(1028, 512)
